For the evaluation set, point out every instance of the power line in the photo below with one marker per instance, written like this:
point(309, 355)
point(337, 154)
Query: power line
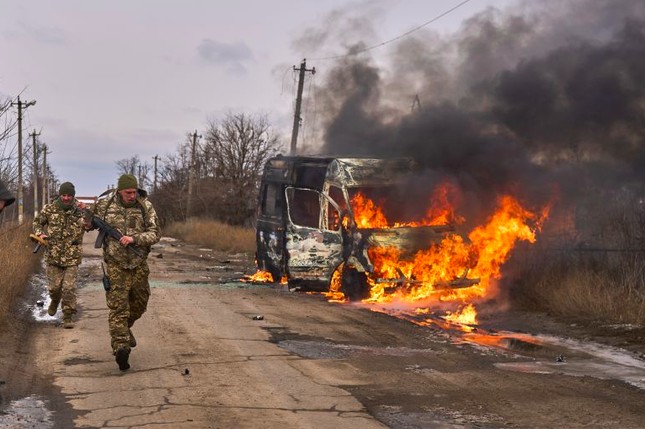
point(436, 18)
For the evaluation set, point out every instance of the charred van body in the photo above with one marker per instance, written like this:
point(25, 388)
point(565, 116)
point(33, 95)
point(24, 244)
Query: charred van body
point(307, 230)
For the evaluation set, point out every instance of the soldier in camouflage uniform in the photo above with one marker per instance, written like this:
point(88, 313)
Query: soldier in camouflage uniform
point(61, 224)
point(128, 211)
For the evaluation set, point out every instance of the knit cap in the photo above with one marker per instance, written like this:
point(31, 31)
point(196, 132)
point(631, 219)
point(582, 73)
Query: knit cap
point(67, 188)
point(127, 181)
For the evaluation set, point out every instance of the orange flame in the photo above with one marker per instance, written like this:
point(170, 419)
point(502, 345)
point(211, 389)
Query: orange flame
point(441, 212)
point(437, 272)
point(366, 213)
point(260, 277)
point(334, 294)
point(434, 268)
point(465, 316)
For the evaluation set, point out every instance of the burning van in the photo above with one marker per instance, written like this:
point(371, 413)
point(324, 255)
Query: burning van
point(317, 226)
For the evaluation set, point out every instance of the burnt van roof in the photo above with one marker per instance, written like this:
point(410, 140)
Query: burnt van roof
point(311, 171)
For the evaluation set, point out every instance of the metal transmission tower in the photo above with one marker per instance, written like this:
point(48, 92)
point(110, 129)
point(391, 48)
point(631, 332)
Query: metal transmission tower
point(296, 116)
point(416, 104)
point(21, 106)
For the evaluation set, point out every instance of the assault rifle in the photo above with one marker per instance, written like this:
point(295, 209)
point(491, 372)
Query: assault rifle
point(106, 230)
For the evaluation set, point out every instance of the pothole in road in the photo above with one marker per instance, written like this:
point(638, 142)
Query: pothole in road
point(437, 417)
point(79, 361)
point(315, 348)
point(30, 412)
point(306, 346)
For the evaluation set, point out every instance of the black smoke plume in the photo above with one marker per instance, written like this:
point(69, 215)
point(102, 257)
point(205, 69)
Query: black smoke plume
point(544, 98)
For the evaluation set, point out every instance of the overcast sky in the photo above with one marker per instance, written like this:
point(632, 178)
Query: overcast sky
point(114, 79)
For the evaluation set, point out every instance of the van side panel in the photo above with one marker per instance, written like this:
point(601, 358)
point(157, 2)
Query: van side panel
point(280, 172)
point(312, 254)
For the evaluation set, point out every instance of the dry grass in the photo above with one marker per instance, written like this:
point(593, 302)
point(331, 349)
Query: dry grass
point(602, 287)
point(597, 273)
point(18, 265)
point(213, 234)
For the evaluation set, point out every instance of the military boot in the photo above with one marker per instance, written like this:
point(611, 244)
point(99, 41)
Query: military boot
point(53, 307)
point(133, 341)
point(68, 323)
point(122, 354)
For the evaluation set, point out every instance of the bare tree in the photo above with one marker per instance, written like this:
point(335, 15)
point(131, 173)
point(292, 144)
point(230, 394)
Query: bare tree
point(8, 128)
point(8, 151)
point(228, 163)
point(138, 169)
point(128, 165)
point(233, 155)
point(10, 123)
point(175, 168)
point(170, 196)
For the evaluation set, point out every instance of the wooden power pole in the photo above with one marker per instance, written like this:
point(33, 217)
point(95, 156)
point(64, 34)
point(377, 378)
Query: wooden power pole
point(21, 106)
point(154, 182)
point(296, 116)
point(33, 135)
point(45, 187)
point(191, 174)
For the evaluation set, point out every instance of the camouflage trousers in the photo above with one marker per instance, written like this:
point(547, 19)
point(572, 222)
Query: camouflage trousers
point(127, 300)
point(62, 286)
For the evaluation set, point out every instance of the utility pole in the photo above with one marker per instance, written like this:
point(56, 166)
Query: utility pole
point(33, 135)
point(21, 106)
point(54, 186)
point(296, 116)
point(154, 182)
point(45, 187)
point(191, 175)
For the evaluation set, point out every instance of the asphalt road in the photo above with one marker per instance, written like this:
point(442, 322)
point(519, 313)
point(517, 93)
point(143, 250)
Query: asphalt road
point(214, 352)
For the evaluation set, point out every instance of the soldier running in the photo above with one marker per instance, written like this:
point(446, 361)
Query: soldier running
point(60, 223)
point(126, 272)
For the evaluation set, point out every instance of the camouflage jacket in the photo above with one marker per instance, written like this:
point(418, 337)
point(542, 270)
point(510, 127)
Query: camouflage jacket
point(64, 229)
point(139, 221)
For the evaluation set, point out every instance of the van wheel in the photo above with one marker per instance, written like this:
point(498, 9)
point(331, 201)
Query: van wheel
point(275, 273)
point(354, 284)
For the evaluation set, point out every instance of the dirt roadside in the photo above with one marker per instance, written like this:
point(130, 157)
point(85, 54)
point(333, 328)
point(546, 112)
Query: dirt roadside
point(204, 360)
